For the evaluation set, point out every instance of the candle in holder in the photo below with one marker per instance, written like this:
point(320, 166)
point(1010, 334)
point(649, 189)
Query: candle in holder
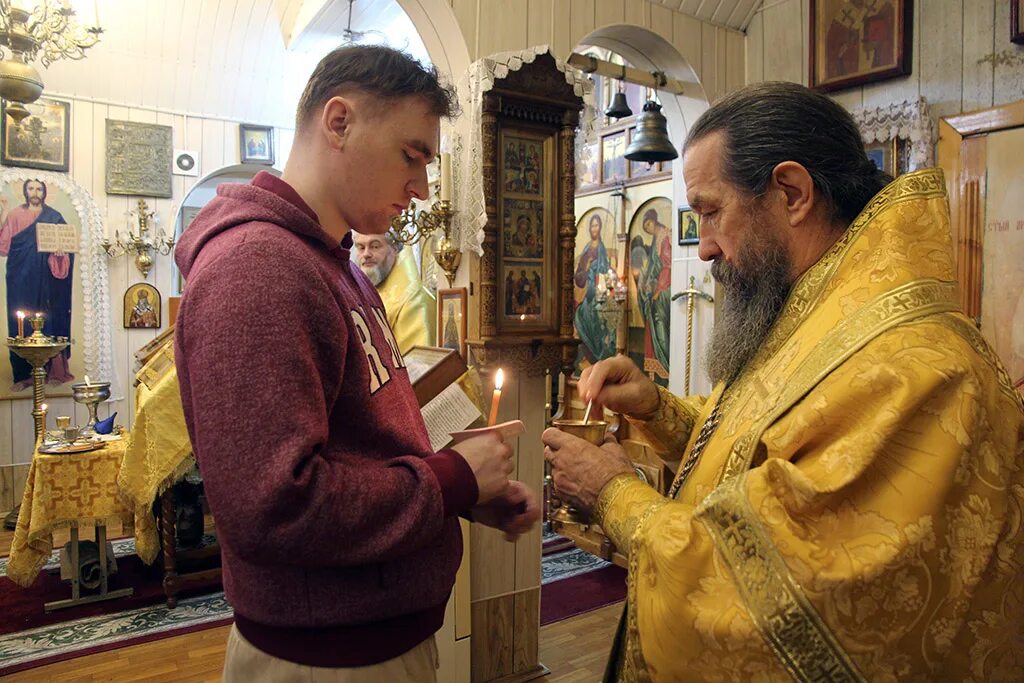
point(499, 379)
point(42, 411)
point(87, 382)
point(21, 324)
point(446, 177)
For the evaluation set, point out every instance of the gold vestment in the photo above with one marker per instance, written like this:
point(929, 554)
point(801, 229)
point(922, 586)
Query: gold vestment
point(410, 307)
point(857, 514)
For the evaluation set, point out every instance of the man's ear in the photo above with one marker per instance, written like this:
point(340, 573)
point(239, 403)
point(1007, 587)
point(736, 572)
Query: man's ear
point(335, 121)
point(793, 180)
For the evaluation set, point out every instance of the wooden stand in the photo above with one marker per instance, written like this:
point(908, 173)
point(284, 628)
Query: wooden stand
point(175, 582)
point(76, 588)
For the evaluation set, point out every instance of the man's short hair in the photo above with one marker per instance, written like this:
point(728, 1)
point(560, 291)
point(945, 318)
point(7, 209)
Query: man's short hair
point(24, 188)
point(768, 123)
point(383, 72)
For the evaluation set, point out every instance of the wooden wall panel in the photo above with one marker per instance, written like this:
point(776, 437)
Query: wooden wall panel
point(755, 49)
point(686, 36)
point(561, 29)
point(505, 24)
point(530, 468)
point(538, 23)
point(662, 20)
point(1008, 81)
point(962, 57)
point(709, 61)
point(977, 76)
point(526, 619)
point(582, 16)
point(783, 45)
point(609, 12)
point(493, 573)
point(493, 628)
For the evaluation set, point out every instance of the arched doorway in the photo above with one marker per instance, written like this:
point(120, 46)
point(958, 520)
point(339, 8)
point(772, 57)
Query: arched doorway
point(648, 51)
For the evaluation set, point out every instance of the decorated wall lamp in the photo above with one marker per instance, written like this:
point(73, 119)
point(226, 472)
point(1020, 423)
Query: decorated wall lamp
point(412, 226)
point(139, 243)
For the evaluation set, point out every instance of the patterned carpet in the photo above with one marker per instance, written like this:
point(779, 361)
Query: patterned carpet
point(58, 641)
point(55, 642)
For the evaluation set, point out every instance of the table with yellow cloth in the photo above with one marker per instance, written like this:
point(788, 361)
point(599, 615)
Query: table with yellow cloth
point(64, 491)
point(158, 452)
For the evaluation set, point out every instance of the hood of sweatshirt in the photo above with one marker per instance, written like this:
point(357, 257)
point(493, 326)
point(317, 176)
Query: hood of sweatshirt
point(237, 204)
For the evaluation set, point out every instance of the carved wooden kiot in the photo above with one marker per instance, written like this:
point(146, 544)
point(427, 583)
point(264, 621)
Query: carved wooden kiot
point(533, 103)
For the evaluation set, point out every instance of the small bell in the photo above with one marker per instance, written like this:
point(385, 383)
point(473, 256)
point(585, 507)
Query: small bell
point(651, 141)
point(619, 107)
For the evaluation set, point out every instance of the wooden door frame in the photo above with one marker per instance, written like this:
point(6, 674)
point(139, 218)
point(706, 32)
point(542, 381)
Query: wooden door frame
point(961, 156)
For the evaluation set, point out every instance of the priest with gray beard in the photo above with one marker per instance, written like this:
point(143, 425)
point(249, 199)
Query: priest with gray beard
point(411, 308)
point(848, 502)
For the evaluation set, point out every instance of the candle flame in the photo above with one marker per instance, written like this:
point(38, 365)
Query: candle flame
point(499, 379)
point(21, 315)
point(522, 317)
point(87, 380)
point(42, 407)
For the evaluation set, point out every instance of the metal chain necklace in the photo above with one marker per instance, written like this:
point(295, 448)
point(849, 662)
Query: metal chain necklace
point(706, 430)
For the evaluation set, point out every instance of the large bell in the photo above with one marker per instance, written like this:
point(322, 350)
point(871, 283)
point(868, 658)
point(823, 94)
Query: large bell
point(651, 141)
point(619, 107)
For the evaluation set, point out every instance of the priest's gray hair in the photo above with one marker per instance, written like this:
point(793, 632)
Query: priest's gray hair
point(768, 123)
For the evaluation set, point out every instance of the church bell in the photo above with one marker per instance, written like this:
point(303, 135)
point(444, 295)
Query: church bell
point(619, 108)
point(651, 141)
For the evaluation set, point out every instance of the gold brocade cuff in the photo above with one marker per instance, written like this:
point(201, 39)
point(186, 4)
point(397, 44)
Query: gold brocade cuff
point(671, 424)
point(620, 506)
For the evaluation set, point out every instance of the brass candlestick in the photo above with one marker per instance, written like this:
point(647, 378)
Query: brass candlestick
point(37, 349)
point(410, 227)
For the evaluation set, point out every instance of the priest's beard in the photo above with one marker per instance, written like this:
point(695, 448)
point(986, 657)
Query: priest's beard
point(756, 287)
point(379, 273)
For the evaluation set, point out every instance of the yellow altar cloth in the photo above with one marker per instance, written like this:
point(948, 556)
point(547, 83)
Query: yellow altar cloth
point(64, 491)
point(158, 451)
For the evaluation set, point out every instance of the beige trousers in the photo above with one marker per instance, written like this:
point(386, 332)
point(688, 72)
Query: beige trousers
point(244, 663)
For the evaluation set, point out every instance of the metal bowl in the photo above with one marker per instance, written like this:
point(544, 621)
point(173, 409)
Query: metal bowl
point(95, 392)
point(592, 431)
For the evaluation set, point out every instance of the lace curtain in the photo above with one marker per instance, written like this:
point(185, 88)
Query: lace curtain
point(90, 266)
point(908, 120)
point(466, 144)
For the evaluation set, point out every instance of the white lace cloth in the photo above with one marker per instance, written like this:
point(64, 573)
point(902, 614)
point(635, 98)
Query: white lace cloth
point(466, 142)
point(90, 266)
point(907, 120)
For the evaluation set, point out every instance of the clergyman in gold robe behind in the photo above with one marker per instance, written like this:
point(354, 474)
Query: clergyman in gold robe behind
point(849, 502)
point(410, 307)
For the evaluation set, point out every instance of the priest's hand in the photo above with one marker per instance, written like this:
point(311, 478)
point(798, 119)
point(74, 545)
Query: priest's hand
point(580, 469)
point(618, 384)
point(515, 511)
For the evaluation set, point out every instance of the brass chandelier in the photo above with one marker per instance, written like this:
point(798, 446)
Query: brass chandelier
point(43, 29)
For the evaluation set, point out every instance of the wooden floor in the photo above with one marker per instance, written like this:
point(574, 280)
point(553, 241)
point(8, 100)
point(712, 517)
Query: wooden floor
point(574, 649)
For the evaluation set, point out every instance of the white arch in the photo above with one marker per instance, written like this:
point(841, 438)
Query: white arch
point(438, 28)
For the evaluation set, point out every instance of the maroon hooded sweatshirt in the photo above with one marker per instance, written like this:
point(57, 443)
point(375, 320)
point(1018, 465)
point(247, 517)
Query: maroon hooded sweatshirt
point(337, 522)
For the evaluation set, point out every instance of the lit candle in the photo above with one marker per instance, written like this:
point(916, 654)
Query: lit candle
point(42, 410)
point(87, 380)
point(21, 323)
point(446, 176)
point(499, 379)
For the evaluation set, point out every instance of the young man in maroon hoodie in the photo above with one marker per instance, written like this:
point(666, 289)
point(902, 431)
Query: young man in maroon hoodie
point(337, 522)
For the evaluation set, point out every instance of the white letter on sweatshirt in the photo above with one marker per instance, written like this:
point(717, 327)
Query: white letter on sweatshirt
point(379, 375)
